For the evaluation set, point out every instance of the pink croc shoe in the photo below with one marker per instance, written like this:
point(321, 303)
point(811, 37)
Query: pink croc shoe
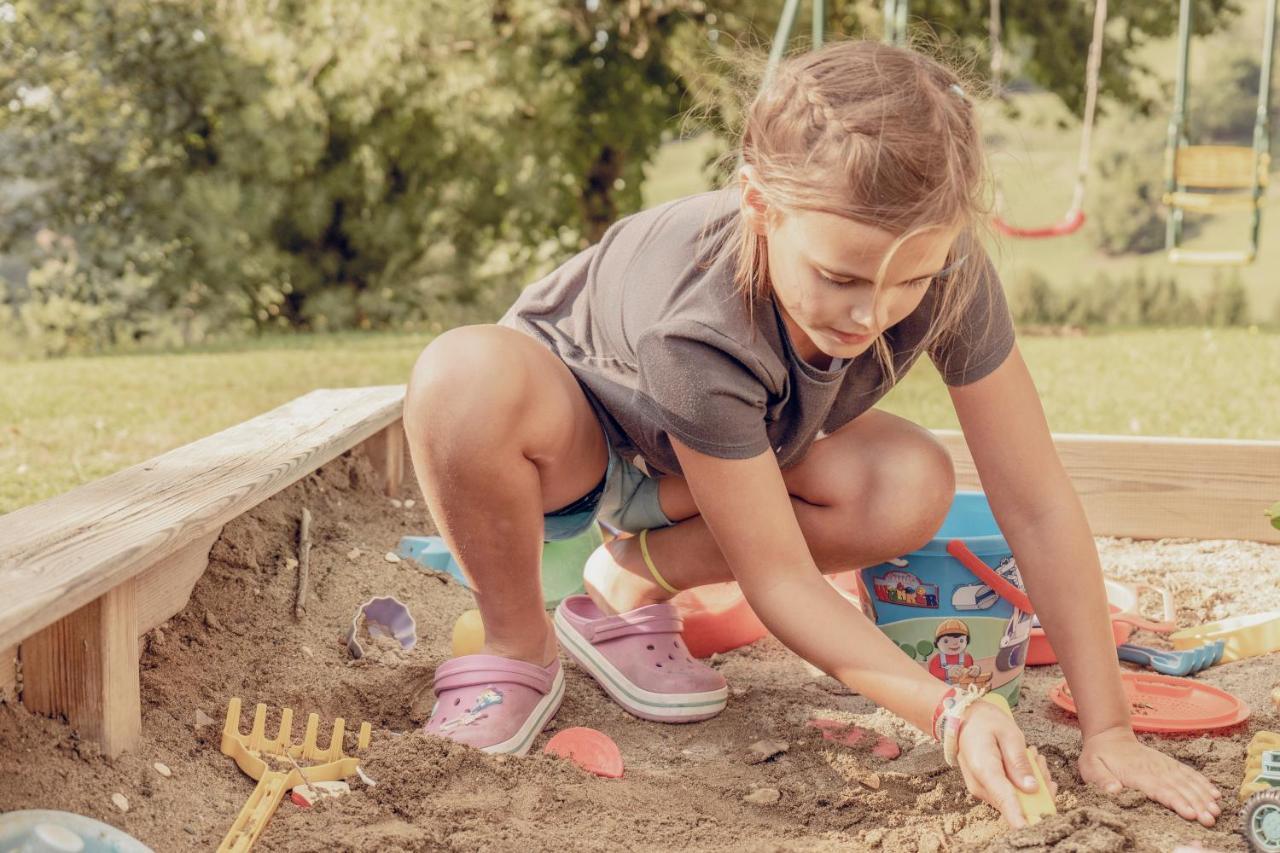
point(493, 703)
point(639, 658)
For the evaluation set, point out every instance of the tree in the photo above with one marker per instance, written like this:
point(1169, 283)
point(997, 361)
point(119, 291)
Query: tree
point(255, 163)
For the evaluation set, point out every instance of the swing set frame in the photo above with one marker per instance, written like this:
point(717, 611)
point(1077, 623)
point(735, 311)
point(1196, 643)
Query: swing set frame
point(1216, 178)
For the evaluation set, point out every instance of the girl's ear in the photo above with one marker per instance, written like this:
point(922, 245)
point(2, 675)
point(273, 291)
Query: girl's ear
point(755, 210)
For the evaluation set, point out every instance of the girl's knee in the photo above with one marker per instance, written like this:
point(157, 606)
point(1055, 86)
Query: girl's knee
point(470, 372)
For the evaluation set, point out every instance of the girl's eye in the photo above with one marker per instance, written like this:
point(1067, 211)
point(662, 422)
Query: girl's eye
point(911, 285)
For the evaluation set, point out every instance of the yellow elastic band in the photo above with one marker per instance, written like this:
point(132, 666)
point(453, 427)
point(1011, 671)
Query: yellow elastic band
point(648, 561)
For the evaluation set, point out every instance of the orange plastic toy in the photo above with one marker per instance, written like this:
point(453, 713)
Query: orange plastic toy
point(1122, 598)
point(591, 750)
point(717, 618)
point(1165, 704)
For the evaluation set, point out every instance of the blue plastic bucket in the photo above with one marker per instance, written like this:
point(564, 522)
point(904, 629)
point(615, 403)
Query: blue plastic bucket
point(958, 626)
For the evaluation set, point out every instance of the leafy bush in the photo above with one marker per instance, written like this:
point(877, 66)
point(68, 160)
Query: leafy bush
point(1137, 300)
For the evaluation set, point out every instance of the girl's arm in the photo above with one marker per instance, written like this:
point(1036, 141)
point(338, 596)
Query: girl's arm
point(748, 511)
point(1040, 515)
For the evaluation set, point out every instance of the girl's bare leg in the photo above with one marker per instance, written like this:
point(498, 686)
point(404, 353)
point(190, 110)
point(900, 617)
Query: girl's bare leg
point(500, 433)
point(874, 490)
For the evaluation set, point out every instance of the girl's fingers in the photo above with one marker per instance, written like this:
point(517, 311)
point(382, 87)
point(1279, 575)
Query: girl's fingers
point(1013, 754)
point(1000, 793)
point(1044, 771)
point(1174, 799)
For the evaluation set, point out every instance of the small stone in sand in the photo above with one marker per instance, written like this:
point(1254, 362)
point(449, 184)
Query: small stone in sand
point(203, 719)
point(395, 502)
point(306, 650)
point(763, 750)
point(211, 621)
point(121, 802)
point(353, 553)
point(290, 563)
point(874, 837)
point(162, 769)
point(869, 780)
point(929, 842)
point(763, 796)
point(391, 557)
point(409, 503)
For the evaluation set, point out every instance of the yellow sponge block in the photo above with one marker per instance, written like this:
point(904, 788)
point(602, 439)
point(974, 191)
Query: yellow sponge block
point(1034, 806)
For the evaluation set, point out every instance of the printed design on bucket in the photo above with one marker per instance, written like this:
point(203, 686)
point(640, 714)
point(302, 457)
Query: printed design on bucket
point(906, 589)
point(951, 662)
point(943, 615)
point(979, 596)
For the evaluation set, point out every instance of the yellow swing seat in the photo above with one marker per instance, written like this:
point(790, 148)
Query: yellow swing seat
point(1223, 178)
point(1216, 168)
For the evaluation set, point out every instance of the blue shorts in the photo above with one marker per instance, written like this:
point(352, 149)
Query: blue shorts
point(627, 499)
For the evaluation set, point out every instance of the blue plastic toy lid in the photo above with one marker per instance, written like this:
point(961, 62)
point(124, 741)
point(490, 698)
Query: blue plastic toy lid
point(969, 519)
point(40, 831)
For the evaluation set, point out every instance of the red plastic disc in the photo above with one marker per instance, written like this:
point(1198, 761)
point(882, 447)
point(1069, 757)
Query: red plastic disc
point(1163, 703)
point(591, 750)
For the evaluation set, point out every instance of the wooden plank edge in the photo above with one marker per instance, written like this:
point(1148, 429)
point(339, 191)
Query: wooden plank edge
point(1161, 487)
point(386, 452)
point(9, 674)
point(41, 611)
point(84, 667)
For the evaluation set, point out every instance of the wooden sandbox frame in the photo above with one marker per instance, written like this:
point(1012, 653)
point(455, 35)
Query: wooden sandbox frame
point(84, 576)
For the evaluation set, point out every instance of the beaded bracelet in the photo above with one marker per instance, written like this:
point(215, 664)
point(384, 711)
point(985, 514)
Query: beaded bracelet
point(937, 714)
point(953, 720)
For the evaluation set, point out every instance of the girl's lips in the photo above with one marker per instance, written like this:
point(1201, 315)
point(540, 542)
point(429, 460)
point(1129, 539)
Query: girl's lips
point(844, 338)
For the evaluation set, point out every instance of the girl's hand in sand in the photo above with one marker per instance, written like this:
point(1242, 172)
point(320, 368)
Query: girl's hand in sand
point(1113, 759)
point(993, 759)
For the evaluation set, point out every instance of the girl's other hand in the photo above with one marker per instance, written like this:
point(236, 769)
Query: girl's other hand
point(993, 760)
point(1114, 759)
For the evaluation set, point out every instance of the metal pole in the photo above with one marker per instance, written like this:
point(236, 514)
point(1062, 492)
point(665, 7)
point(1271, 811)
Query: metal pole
point(780, 38)
point(1262, 123)
point(818, 22)
point(1173, 226)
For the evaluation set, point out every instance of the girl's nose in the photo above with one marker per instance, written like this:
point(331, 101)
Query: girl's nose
point(867, 312)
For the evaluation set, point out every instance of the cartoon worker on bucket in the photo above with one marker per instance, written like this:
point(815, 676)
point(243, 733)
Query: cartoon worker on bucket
point(952, 663)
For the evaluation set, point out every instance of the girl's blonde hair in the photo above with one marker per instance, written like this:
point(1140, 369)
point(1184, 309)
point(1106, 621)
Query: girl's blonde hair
point(882, 135)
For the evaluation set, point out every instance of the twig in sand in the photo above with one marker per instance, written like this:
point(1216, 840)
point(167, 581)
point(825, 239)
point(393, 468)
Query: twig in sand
point(304, 563)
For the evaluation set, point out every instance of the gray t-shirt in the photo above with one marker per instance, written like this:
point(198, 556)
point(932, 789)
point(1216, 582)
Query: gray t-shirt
point(664, 345)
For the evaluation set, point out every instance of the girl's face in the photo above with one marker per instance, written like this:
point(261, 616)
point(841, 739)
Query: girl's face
point(822, 268)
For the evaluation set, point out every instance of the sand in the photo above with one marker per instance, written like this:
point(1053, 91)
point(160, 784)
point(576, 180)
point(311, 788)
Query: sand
point(695, 787)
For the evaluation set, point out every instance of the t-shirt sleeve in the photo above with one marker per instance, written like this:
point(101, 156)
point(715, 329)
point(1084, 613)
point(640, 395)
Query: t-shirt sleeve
point(983, 336)
point(696, 385)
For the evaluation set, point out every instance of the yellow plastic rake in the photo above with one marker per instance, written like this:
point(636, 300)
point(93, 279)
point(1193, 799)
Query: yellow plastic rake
point(331, 765)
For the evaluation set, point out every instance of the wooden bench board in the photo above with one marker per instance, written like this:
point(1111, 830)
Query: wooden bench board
point(1156, 488)
point(60, 554)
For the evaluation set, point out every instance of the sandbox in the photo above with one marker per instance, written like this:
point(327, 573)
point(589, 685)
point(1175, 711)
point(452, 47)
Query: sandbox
point(685, 786)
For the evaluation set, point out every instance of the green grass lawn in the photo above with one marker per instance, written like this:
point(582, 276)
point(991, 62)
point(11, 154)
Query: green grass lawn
point(65, 422)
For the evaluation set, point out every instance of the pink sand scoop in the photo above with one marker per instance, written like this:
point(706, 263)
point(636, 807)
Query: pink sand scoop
point(640, 660)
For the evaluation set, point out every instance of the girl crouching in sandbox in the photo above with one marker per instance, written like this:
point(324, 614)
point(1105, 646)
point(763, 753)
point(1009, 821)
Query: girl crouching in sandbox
point(704, 377)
